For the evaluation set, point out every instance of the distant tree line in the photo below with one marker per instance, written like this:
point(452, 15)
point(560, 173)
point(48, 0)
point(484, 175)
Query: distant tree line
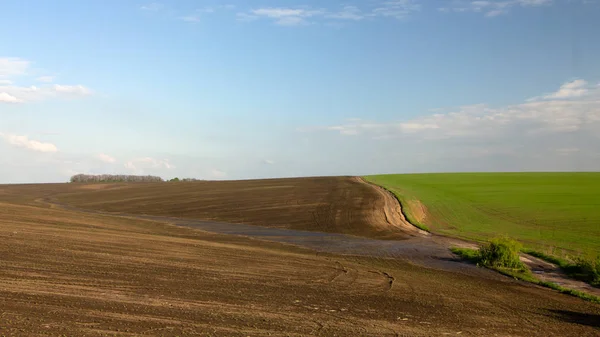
point(183, 179)
point(123, 178)
point(114, 178)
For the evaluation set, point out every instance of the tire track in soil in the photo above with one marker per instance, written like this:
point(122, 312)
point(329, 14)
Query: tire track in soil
point(389, 279)
point(341, 271)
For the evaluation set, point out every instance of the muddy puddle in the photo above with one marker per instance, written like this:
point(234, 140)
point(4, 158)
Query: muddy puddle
point(426, 251)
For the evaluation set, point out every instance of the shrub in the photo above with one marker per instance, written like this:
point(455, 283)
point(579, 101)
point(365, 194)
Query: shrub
point(502, 253)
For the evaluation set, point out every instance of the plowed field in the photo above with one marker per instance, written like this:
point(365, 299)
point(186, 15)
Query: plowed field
point(66, 272)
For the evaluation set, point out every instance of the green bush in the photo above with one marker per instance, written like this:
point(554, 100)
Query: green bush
point(502, 253)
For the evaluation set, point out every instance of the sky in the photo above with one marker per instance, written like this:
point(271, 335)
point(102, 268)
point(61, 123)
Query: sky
point(266, 89)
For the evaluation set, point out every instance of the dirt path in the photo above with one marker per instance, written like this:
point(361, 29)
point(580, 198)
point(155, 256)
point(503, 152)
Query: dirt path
point(549, 272)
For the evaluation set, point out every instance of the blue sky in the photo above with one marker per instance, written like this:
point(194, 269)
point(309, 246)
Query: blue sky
point(231, 90)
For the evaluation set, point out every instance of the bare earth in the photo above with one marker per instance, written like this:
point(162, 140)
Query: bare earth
point(74, 273)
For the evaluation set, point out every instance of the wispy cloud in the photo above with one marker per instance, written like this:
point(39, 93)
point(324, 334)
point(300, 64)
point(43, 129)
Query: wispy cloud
point(45, 79)
point(288, 16)
point(145, 165)
point(573, 89)
point(191, 18)
point(196, 16)
point(569, 90)
point(574, 107)
point(398, 9)
point(218, 174)
point(8, 98)
point(11, 93)
point(152, 7)
point(29, 144)
point(72, 89)
point(18, 94)
point(560, 132)
point(13, 66)
point(283, 16)
point(106, 158)
point(348, 13)
point(491, 8)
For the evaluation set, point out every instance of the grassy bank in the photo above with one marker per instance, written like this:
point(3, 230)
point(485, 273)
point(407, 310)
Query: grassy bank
point(541, 210)
point(502, 255)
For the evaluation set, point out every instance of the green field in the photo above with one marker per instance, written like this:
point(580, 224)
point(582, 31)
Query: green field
point(544, 211)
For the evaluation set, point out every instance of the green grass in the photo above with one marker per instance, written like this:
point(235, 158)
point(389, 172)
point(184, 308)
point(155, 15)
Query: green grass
point(561, 262)
point(469, 254)
point(541, 210)
point(511, 266)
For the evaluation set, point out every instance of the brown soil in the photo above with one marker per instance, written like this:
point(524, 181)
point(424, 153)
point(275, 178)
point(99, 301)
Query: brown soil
point(418, 210)
point(69, 273)
point(334, 205)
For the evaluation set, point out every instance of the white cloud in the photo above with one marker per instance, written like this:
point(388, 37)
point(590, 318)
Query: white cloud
point(72, 89)
point(284, 16)
point(191, 18)
point(8, 98)
point(12, 66)
point(11, 93)
point(207, 10)
point(269, 162)
point(35, 93)
point(570, 109)
point(218, 174)
point(152, 7)
point(573, 89)
point(491, 8)
point(45, 79)
point(29, 144)
point(397, 9)
point(196, 16)
point(106, 158)
point(348, 13)
point(147, 164)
